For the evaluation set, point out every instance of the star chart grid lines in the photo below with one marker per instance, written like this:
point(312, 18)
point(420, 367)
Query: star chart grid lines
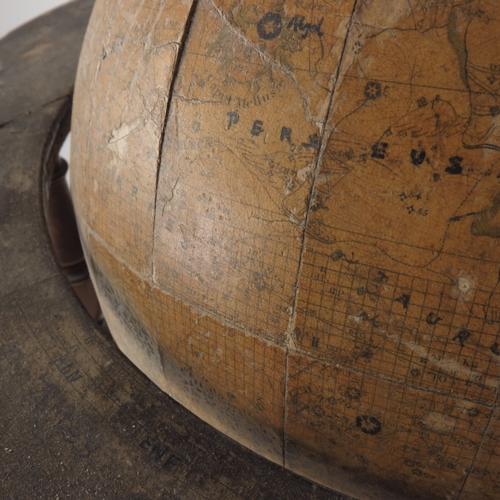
point(330, 404)
point(265, 266)
point(364, 317)
point(205, 341)
point(484, 473)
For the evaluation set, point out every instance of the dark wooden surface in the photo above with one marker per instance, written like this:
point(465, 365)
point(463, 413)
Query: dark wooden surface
point(78, 420)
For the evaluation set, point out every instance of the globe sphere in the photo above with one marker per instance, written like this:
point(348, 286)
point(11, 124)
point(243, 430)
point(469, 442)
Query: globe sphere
point(291, 214)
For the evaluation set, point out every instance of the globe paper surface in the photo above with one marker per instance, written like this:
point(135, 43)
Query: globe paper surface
point(291, 214)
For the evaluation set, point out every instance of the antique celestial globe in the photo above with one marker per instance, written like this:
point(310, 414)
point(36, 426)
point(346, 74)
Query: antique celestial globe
point(290, 210)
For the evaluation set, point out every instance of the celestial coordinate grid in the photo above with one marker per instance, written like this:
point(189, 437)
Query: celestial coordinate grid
point(294, 227)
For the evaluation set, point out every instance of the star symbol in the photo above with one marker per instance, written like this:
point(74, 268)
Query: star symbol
point(422, 102)
point(373, 90)
point(495, 110)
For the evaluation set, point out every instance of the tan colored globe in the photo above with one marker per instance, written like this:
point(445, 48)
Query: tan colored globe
point(291, 213)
